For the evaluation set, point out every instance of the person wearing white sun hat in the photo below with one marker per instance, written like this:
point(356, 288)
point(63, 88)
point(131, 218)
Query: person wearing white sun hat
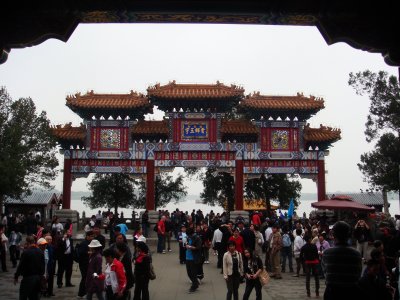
point(94, 280)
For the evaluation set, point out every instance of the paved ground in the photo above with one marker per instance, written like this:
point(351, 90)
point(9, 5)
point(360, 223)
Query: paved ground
point(172, 283)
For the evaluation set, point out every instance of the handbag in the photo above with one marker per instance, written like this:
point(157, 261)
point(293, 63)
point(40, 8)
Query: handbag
point(264, 277)
point(43, 284)
point(152, 274)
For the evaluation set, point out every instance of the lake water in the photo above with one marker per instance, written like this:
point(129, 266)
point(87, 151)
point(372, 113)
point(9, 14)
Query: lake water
point(189, 204)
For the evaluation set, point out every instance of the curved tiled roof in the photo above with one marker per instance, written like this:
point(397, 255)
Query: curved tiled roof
point(238, 127)
point(298, 102)
point(107, 101)
point(366, 198)
point(195, 91)
point(69, 133)
point(322, 134)
point(36, 198)
point(150, 127)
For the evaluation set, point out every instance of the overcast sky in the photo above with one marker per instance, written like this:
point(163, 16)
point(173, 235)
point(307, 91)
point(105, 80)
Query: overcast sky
point(275, 60)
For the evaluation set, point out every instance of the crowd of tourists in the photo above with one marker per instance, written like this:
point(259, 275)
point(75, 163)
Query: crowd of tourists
point(327, 249)
point(46, 258)
point(335, 251)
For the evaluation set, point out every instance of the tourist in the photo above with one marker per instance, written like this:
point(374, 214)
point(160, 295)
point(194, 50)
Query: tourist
point(99, 217)
point(51, 265)
point(182, 240)
point(3, 248)
point(362, 236)
point(31, 224)
point(258, 242)
point(206, 237)
point(309, 255)
point(275, 246)
point(199, 263)
point(255, 219)
point(93, 280)
point(145, 223)
point(371, 286)
point(98, 236)
point(68, 226)
point(31, 267)
point(253, 266)
point(57, 225)
point(322, 245)
point(115, 279)
point(141, 273)
point(120, 239)
point(161, 235)
point(39, 232)
point(232, 270)
point(239, 243)
point(168, 233)
point(217, 246)
point(342, 265)
point(83, 261)
point(193, 258)
point(123, 229)
point(112, 221)
point(42, 245)
point(14, 243)
point(92, 221)
point(297, 245)
point(248, 236)
point(286, 251)
point(122, 254)
point(65, 260)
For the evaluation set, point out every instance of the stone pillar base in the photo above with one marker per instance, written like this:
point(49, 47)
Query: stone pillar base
point(153, 220)
point(245, 214)
point(73, 215)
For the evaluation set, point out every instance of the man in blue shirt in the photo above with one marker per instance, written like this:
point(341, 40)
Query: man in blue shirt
point(193, 248)
point(123, 229)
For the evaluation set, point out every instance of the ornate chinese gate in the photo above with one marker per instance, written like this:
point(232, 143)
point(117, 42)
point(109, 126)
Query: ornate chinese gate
point(204, 126)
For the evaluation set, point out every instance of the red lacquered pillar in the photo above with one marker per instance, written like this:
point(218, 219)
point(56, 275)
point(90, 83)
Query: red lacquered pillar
point(321, 180)
point(239, 185)
point(150, 199)
point(67, 183)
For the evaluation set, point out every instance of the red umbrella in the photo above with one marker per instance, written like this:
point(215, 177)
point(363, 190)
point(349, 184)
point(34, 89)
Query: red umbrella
point(342, 203)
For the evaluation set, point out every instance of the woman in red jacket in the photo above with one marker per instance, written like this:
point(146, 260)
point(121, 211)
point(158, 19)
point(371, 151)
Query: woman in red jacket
point(115, 279)
point(237, 238)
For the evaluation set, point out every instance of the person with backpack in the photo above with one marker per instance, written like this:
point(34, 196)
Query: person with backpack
point(286, 251)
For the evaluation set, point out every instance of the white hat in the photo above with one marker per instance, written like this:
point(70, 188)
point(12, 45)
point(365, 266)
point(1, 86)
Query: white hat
point(94, 244)
point(42, 241)
point(141, 238)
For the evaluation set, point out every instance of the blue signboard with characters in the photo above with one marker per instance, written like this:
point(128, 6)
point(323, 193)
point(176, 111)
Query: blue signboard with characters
point(194, 130)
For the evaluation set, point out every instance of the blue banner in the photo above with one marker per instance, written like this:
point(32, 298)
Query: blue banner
point(291, 209)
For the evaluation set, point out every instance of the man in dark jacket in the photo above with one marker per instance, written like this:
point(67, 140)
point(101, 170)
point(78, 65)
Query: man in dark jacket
point(65, 260)
point(342, 266)
point(31, 267)
point(98, 236)
point(83, 261)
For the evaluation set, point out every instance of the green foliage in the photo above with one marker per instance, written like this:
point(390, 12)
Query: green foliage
point(27, 148)
point(166, 190)
point(271, 187)
point(219, 189)
point(111, 191)
point(381, 166)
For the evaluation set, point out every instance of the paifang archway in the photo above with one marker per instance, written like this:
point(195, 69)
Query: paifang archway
point(270, 137)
